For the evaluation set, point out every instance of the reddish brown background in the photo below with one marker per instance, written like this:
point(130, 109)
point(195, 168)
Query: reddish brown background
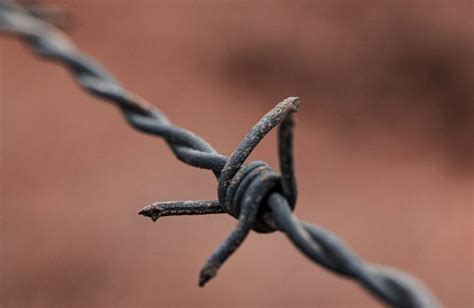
point(383, 151)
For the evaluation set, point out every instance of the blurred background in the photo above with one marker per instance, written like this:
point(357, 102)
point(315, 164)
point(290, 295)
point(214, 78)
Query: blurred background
point(383, 151)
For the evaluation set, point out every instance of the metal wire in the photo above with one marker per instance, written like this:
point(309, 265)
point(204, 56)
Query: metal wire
point(256, 195)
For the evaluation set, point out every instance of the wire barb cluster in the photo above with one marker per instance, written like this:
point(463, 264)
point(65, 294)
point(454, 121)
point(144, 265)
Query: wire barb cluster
point(256, 195)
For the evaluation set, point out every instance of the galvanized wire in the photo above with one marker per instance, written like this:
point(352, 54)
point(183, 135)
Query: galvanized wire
point(256, 195)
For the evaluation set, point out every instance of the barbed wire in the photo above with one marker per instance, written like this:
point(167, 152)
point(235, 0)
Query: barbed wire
point(258, 197)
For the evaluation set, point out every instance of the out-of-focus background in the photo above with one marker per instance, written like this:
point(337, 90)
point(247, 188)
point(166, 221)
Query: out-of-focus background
point(383, 151)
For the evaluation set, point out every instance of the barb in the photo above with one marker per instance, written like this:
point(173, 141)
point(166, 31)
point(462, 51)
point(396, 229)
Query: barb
point(256, 195)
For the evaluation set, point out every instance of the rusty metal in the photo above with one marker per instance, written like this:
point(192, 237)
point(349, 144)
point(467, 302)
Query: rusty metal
point(257, 196)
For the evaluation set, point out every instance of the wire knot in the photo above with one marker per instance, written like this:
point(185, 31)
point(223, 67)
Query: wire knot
point(251, 185)
point(243, 189)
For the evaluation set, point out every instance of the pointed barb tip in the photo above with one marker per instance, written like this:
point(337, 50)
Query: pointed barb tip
point(207, 274)
point(150, 212)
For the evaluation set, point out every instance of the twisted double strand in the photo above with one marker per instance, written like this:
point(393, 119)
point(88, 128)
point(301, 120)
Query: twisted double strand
point(253, 193)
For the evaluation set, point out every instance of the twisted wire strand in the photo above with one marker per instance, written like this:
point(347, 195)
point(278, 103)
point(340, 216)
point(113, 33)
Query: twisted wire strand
point(259, 197)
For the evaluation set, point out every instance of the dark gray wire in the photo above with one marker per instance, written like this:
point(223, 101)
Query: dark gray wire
point(253, 193)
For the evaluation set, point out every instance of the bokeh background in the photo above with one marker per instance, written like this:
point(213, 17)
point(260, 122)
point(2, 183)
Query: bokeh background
point(383, 151)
